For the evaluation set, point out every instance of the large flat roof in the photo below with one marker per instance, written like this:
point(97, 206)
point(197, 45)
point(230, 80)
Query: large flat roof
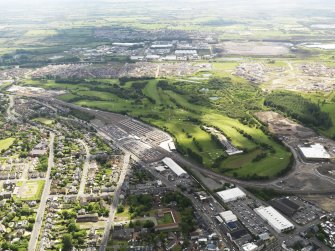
point(274, 218)
point(174, 166)
point(316, 151)
point(228, 216)
point(231, 194)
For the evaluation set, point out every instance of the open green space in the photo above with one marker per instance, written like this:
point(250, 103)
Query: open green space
point(182, 108)
point(326, 104)
point(166, 219)
point(30, 190)
point(299, 108)
point(330, 109)
point(6, 143)
point(45, 121)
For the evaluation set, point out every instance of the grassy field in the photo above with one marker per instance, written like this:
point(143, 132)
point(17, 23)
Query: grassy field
point(166, 219)
point(6, 143)
point(330, 108)
point(175, 111)
point(151, 91)
point(45, 121)
point(31, 190)
point(40, 33)
point(326, 101)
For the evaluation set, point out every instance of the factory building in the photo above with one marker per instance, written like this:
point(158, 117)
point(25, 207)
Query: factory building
point(228, 216)
point(180, 172)
point(316, 152)
point(250, 247)
point(285, 205)
point(161, 46)
point(160, 169)
point(186, 53)
point(274, 219)
point(231, 194)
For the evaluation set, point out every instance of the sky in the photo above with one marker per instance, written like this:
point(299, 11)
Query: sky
point(252, 5)
point(268, 2)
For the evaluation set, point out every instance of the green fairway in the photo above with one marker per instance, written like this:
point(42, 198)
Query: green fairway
point(68, 97)
point(98, 95)
point(45, 121)
point(151, 91)
point(180, 109)
point(6, 143)
point(105, 105)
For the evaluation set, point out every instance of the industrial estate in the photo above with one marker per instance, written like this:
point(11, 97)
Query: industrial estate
point(167, 125)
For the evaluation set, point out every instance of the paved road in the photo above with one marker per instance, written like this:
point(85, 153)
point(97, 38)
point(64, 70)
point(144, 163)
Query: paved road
point(85, 169)
point(46, 191)
point(115, 203)
point(10, 109)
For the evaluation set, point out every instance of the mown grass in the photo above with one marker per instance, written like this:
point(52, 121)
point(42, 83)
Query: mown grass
point(45, 121)
point(178, 114)
point(33, 196)
point(151, 90)
point(6, 143)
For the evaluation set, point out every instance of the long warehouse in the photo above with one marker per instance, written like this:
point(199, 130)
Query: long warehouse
point(274, 218)
point(180, 172)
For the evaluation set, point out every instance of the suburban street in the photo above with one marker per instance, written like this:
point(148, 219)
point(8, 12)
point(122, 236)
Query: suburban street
point(115, 203)
point(85, 169)
point(46, 191)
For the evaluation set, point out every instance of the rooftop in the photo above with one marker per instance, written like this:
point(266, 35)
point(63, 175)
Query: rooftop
point(174, 166)
point(231, 194)
point(274, 218)
point(316, 151)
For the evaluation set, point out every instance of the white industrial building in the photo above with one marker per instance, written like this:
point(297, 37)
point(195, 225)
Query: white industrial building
point(161, 46)
point(228, 216)
point(180, 172)
point(249, 247)
point(219, 219)
point(153, 57)
point(314, 152)
point(160, 169)
point(186, 53)
point(231, 194)
point(274, 219)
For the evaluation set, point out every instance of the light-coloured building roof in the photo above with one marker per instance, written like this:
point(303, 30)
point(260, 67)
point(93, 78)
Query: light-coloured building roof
point(316, 151)
point(153, 57)
point(174, 166)
point(38, 152)
point(219, 219)
point(274, 218)
point(231, 194)
point(160, 168)
point(185, 52)
point(228, 216)
point(249, 247)
point(155, 46)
